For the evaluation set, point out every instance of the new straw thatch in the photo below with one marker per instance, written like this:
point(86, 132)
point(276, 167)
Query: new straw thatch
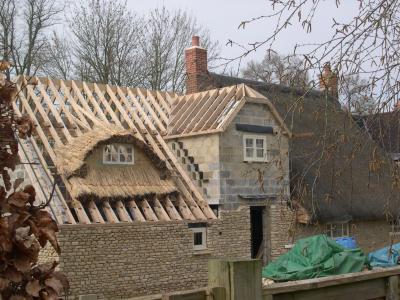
point(71, 157)
point(107, 181)
point(120, 183)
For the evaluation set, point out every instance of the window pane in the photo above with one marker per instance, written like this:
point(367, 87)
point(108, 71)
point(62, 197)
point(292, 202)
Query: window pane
point(114, 157)
point(198, 238)
point(249, 152)
point(129, 149)
point(259, 143)
point(260, 153)
point(129, 158)
point(249, 142)
point(121, 157)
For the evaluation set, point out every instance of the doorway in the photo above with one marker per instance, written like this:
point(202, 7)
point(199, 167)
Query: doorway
point(256, 225)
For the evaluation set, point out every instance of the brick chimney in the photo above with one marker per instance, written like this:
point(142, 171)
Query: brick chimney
point(328, 81)
point(196, 66)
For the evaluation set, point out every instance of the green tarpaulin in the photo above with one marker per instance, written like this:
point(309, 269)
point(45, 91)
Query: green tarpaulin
point(313, 257)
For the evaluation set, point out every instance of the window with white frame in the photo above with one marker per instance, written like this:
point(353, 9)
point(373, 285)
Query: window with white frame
point(199, 238)
point(395, 227)
point(336, 230)
point(255, 148)
point(118, 154)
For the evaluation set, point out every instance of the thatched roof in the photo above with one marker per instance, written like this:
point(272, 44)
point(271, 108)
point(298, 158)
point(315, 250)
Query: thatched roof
point(108, 183)
point(71, 156)
point(384, 128)
point(337, 171)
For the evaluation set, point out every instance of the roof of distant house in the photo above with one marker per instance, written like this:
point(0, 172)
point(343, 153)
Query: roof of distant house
point(384, 128)
point(337, 171)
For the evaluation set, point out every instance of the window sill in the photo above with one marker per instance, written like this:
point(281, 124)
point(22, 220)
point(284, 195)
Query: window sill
point(254, 161)
point(202, 252)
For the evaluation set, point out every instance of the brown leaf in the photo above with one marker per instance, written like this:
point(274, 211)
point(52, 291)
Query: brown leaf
point(5, 65)
point(18, 199)
point(4, 282)
point(44, 219)
point(33, 288)
point(24, 238)
point(5, 235)
point(63, 279)
point(22, 233)
point(22, 264)
point(49, 294)
point(47, 234)
point(12, 274)
point(8, 92)
point(29, 189)
point(18, 297)
point(55, 284)
point(47, 267)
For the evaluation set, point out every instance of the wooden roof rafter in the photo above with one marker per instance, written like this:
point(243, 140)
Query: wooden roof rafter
point(64, 110)
point(213, 113)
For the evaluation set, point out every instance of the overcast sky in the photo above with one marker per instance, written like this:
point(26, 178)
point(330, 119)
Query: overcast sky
point(222, 18)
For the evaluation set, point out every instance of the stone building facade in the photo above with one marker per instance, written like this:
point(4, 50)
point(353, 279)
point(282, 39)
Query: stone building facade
point(114, 261)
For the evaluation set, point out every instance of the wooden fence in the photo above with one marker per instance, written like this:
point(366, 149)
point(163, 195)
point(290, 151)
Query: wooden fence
point(234, 279)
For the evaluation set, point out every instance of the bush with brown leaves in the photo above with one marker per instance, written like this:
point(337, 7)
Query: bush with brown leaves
point(25, 228)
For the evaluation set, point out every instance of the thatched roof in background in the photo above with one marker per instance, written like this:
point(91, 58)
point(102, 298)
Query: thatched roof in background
point(71, 157)
point(384, 128)
point(352, 179)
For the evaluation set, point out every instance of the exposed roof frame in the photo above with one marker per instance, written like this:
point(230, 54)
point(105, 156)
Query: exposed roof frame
point(63, 110)
point(212, 111)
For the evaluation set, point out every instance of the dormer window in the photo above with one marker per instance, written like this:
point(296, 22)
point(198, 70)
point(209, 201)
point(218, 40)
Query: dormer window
point(118, 154)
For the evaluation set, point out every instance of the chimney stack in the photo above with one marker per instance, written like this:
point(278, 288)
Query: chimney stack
point(328, 80)
point(196, 67)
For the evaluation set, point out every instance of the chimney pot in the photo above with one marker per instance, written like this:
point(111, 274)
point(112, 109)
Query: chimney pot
point(328, 80)
point(195, 40)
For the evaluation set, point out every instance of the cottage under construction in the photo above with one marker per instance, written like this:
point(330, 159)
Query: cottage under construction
point(143, 182)
point(72, 120)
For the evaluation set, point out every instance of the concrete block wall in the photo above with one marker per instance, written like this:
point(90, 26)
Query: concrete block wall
point(205, 151)
point(125, 260)
point(240, 177)
point(220, 159)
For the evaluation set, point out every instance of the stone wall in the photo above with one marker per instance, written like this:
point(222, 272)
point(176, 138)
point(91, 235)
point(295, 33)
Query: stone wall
point(131, 259)
point(283, 231)
point(240, 177)
point(48, 254)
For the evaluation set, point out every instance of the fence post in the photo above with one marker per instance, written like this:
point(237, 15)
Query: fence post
point(241, 278)
point(393, 288)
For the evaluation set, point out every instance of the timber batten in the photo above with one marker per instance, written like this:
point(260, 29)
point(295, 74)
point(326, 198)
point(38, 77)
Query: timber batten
point(72, 117)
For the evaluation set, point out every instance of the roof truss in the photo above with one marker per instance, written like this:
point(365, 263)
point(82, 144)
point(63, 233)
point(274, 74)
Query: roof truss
point(63, 110)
